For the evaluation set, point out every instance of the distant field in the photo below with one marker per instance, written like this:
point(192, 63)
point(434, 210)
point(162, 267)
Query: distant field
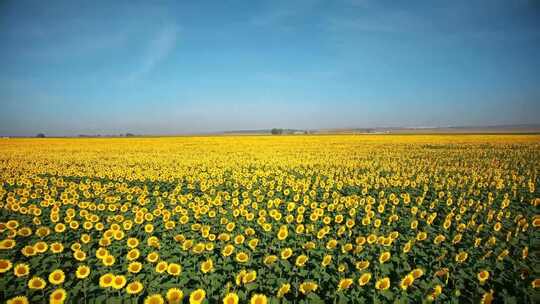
point(271, 219)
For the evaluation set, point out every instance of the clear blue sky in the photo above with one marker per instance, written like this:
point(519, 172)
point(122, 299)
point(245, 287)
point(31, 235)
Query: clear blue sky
point(71, 67)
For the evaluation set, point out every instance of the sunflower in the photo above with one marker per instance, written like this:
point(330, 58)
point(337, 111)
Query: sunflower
point(249, 277)
point(57, 277)
point(119, 282)
point(108, 260)
point(283, 290)
point(174, 269)
point(307, 287)
point(227, 250)
point(283, 233)
point(536, 283)
point(133, 254)
point(364, 279)
point(461, 257)
point(7, 244)
point(174, 296)
point(161, 267)
point(134, 287)
point(240, 277)
point(79, 255)
point(269, 260)
point(5, 265)
point(207, 266)
point(58, 296)
point(18, 300)
point(106, 280)
point(382, 284)
point(326, 260)
point(134, 267)
point(154, 299)
point(361, 265)
point(483, 276)
point(132, 242)
point(406, 281)
point(344, 283)
point(301, 260)
point(82, 272)
point(242, 257)
point(37, 283)
point(418, 272)
point(487, 297)
point(152, 257)
point(41, 247)
point(21, 270)
point(258, 299)
point(197, 296)
point(231, 298)
point(286, 253)
point(385, 256)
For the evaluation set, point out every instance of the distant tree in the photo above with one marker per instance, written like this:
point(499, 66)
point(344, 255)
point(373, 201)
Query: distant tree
point(130, 134)
point(40, 135)
point(276, 131)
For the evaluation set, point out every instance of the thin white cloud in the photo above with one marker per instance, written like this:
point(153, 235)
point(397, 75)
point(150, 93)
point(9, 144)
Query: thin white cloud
point(158, 49)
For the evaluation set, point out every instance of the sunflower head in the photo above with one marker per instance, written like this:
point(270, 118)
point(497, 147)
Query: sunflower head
point(197, 296)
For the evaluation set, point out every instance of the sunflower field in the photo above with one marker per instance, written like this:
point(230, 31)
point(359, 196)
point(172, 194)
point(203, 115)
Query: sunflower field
point(271, 219)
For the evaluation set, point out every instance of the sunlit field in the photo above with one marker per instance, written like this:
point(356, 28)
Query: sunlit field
point(271, 219)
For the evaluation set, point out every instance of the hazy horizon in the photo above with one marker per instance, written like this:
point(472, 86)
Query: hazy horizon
point(71, 67)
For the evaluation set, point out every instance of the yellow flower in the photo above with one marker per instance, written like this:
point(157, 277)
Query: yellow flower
point(174, 296)
point(364, 279)
point(416, 273)
point(385, 256)
point(258, 299)
point(286, 253)
point(82, 272)
point(197, 296)
point(21, 270)
point(58, 296)
point(269, 260)
point(5, 265)
point(119, 282)
point(249, 277)
point(57, 277)
point(154, 299)
point(382, 284)
point(134, 287)
point(461, 257)
point(134, 267)
point(37, 283)
point(345, 284)
point(18, 300)
point(207, 266)
point(361, 265)
point(283, 233)
point(301, 260)
point(227, 250)
point(326, 260)
point(174, 269)
point(536, 283)
point(161, 267)
point(106, 280)
point(283, 290)
point(231, 298)
point(487, 297)
point(242, 257)
point(308, 287)
point(483, 276)
point(406, 281)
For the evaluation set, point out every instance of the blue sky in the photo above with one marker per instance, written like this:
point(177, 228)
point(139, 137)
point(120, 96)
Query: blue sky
point(159, 67)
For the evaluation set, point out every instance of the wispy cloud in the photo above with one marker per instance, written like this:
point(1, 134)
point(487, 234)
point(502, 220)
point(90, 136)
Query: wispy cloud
point(157, 50)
